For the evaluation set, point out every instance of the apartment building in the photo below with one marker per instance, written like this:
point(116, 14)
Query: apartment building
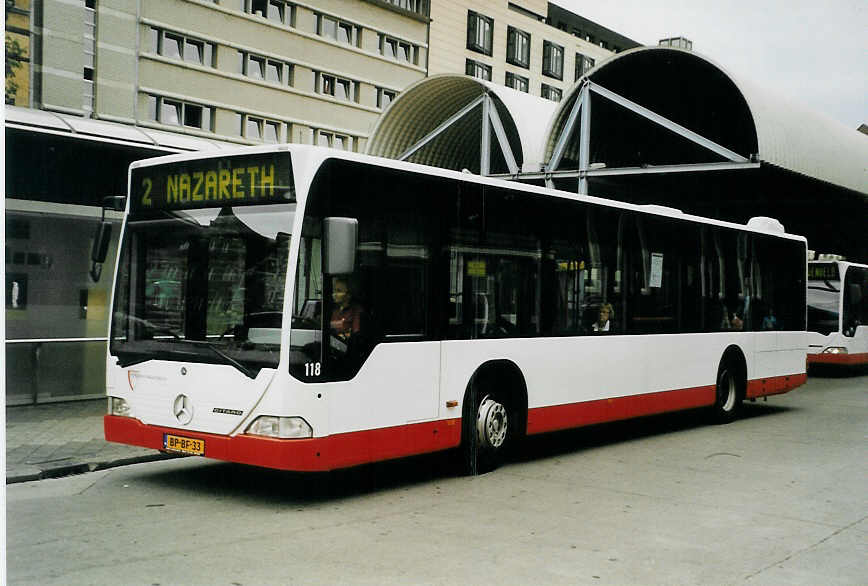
point(533, 46)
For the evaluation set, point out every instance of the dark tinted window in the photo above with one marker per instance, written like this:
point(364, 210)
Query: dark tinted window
point(779, 272)
point(855, 300)
point(444, 259)
point(664, 287)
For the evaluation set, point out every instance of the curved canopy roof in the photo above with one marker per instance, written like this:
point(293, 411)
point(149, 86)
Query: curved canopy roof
point(698, 94)
point(426, 105)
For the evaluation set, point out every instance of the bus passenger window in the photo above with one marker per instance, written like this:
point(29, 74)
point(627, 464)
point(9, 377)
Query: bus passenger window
point(600, 280)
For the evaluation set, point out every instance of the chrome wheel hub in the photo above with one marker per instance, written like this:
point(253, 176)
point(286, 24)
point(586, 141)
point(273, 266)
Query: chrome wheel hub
point(491, 423)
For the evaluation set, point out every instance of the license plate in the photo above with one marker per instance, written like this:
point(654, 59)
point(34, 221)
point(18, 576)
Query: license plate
point(183, 445)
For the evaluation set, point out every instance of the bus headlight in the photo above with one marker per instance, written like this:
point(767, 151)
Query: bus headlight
point(280, 427)
point(835, 350)
point(119, 407)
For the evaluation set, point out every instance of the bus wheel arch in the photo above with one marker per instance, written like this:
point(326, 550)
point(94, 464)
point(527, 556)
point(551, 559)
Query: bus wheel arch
point(493, 416)
point(730, 385)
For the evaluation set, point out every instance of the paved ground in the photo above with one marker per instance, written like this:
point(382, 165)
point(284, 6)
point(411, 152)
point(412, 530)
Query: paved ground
point(776, 497)
point(56, 439)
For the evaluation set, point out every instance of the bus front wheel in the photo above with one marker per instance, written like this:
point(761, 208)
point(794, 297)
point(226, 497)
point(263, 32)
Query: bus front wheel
point(488, 433)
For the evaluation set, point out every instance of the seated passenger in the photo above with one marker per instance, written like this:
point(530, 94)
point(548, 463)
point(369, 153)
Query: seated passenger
point(346, 319)
point(770, 322)
point(603, 322)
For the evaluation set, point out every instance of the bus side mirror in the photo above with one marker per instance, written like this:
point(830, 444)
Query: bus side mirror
point(339, 245)
point(103, 236)
point(101, 240)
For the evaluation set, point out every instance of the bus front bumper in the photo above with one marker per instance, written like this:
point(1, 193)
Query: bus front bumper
point(838, 358)
point(300, 455)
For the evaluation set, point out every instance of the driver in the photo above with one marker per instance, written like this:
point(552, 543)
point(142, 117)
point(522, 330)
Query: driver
point(346, 319)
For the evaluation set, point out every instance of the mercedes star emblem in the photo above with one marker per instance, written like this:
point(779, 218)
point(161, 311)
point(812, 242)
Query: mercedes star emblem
point(183, 409)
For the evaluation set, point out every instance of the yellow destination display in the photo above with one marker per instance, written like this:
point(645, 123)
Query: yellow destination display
point(183, 445)
point(823, 272)
point(476, 268)
point(215, 182)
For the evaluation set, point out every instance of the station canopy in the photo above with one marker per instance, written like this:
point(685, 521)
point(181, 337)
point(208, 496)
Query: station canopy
point(60, 158)
point(439, 121)
point(652, 125)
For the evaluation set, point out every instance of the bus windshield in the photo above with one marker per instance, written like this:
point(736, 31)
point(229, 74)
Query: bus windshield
point(823, 303)
point(203, 285)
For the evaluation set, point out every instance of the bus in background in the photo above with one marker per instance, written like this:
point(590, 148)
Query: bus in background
point(334, 309)
point(837, 312)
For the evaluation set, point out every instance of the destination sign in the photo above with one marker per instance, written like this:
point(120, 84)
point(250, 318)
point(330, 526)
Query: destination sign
point(823, 272)
point(260, 178)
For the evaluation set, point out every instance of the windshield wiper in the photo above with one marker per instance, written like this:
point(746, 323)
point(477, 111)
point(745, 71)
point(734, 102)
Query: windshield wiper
point(226, 358)
point(156, 327)
point(829, 287)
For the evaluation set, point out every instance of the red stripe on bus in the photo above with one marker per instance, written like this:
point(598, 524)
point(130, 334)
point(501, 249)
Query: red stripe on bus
point(776, 385)
point(844, 359)
point(360, 447)
point(544, 419)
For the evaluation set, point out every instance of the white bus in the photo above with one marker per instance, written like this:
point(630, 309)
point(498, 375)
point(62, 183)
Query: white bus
point(837, 313)
point(306, 309)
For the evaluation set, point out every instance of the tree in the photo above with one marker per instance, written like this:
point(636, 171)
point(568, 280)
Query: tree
point(14, 53)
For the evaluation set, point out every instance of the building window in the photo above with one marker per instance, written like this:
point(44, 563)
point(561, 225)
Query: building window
point(272, 131)
point(517, 82)
point(415, 6)
point(392, 48)
point(518, 47)
point(255, 67)
point(338, 30)
point(477, 69)
point(480, 31)
point(278, 11)
point(89, 44)
point(263, 68)
point(179, 113)
point(253, 128)
point(384, 97)
point(259, 129)
point(176, 46)
point(171, 46)
point(338, 87)
point(553, 60)
point(677, 42)
point(583, 65)
point(551, 93)
point(333, 140)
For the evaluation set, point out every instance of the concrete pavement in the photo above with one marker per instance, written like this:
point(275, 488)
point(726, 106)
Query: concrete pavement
point(56, 439)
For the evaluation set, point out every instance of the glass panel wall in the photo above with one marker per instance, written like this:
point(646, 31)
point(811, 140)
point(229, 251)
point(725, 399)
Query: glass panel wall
point(56, 316)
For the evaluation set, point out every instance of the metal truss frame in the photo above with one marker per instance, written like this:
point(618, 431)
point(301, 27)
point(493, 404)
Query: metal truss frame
point(490, 121)
point(579, 116)
point(581, 113)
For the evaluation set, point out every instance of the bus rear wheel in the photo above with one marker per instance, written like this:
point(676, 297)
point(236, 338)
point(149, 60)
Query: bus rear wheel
point(728, 394)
